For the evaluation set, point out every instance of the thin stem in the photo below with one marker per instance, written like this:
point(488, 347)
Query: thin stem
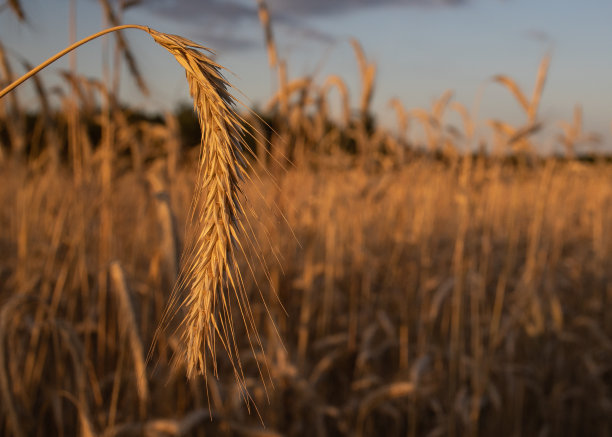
point(67, 50)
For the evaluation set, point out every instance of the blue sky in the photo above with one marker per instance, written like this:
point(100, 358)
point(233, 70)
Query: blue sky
point(421, 48)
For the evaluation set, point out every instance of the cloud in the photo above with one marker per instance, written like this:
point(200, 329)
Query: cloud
point(203, 10)
point(220, 24)
point(236, 10)
point(229, 24)
point(322, 7)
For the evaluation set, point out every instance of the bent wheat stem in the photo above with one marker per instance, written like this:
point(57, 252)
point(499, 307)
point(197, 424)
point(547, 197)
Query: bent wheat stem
point(209, 279)
point(64, 52)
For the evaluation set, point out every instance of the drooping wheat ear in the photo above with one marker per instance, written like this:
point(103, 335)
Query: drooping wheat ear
point(209, 279)
point(529, 106)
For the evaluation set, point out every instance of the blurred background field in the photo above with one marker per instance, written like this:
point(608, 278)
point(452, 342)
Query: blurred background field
point(436, 272)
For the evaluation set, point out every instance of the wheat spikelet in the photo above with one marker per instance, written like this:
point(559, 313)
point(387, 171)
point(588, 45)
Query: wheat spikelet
point(466, 118)
point(538, 88)
point(529, 106)
point(7, 76)
point(17, 9)
point(264, 18)
point(401, 114)
point(209, 266)
point(439, 106)
point(573, 133)
point(15, 126)
point(515, 89)
point(300, 85)
point(367, 72)
point(335, 80)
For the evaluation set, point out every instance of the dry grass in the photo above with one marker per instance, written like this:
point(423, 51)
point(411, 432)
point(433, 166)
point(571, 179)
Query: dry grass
point(437, 277)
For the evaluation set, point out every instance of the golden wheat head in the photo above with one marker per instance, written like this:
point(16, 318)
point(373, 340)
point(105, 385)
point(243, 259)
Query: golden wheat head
point(209, 279)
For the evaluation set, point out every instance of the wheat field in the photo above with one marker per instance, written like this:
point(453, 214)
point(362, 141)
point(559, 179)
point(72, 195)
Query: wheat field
point(292, 271)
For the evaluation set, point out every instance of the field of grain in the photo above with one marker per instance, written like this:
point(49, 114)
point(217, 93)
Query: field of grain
point(360, 281)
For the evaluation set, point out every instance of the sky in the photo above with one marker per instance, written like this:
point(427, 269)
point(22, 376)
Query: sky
point(421, 47)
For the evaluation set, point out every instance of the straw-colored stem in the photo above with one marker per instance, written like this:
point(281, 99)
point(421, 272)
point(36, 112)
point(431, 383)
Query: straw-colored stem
point(64, 52)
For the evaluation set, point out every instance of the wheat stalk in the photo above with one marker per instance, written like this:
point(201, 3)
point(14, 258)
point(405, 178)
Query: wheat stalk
point(530, 106)
point(335, 80)
point(129, 329)
point(17, 9)
point(264, 18)
point(402, 117)
point(124, 48)
point(367, 72)
point(209, 279)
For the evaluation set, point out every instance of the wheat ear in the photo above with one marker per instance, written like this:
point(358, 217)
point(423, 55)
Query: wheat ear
point(209, 265)
point(209, 279)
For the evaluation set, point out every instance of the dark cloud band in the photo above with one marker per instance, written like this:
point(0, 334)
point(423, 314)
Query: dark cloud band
point(212, 17)
point(322, 7)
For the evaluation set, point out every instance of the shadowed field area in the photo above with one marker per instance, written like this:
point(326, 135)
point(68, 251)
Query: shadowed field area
point(470, 296)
